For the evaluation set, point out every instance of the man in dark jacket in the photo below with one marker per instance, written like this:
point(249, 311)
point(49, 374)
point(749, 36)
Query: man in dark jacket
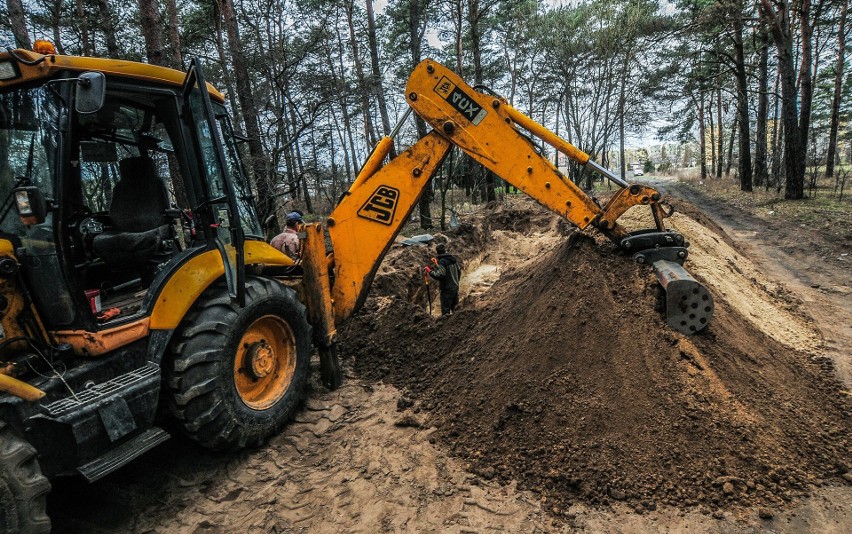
point(447, 271)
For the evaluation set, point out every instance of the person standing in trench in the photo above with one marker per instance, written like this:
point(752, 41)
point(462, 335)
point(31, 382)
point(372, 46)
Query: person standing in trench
point(447, 271)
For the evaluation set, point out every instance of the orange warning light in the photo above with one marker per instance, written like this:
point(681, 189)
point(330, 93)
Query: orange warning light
point(43, 46)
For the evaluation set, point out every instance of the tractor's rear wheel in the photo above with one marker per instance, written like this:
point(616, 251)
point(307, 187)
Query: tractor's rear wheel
point(236, 375)
point(23, 488)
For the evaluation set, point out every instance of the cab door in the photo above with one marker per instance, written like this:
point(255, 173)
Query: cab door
point(219, 193)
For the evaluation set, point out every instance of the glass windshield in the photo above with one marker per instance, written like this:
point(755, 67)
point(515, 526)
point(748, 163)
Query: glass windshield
point(29, 120)
point(245, 200)
point(129, 126)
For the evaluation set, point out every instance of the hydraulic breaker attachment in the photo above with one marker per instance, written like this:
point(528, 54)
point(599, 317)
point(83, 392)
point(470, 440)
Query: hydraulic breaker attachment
point(689, 305)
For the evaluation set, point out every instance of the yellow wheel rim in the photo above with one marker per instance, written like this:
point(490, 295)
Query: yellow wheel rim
point(265, 362)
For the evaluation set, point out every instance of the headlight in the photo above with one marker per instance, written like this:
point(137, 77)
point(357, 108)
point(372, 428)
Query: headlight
point(31, 204)
point(22, 198)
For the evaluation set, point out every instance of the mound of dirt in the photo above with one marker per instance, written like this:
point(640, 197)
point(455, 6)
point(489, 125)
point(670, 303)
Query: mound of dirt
point(562, 377)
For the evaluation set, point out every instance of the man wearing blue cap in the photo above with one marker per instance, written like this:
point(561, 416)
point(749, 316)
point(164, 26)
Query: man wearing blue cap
point(288, 240)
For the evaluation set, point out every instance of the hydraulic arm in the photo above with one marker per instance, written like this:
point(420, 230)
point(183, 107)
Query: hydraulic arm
point(486, 127)
point(492, 132)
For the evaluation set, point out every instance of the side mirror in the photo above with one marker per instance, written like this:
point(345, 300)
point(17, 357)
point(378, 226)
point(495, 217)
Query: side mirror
point(91, 91)
point(31, 205)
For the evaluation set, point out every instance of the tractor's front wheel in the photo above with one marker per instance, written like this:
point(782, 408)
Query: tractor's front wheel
point(236, 375)
point(23, 488)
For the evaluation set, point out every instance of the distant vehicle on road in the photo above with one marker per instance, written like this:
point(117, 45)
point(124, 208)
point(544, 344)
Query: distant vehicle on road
point(638, 172)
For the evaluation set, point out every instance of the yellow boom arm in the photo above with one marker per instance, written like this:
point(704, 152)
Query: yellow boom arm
point(486, 127)
point(380, 200)
point(377, 205)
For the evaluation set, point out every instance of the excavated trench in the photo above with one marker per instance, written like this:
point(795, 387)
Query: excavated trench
point(558, 371)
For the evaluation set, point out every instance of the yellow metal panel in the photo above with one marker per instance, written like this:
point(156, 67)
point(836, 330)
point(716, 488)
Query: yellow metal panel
point(479, 125)
point(364, 224)
point(15, 387)
point(196, 275)
point(104, 341)
point(375, 161)
point(546, 135)
point(114, 67)
point(317, 297)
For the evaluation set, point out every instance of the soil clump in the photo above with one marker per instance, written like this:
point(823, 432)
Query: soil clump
point(563, 377)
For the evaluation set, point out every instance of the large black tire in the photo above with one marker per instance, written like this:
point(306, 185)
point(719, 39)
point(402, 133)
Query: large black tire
point(229, 386)
point(23, 489)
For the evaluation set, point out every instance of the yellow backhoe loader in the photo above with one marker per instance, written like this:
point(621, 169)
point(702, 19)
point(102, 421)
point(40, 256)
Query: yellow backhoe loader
point(135, 282)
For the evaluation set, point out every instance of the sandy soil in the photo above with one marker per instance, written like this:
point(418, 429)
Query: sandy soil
point(801, 261)
point(368, 458)
point(561, 376)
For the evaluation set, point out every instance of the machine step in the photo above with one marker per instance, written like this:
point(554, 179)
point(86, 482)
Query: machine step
point(101, 391)
point(124, 453)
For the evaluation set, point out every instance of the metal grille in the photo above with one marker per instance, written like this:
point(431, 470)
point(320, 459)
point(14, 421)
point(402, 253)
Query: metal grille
point(101, 390)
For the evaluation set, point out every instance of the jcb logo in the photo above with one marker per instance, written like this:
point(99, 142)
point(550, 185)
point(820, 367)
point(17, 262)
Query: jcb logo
point(460, 101)
point(381, 205)
point(445, 87)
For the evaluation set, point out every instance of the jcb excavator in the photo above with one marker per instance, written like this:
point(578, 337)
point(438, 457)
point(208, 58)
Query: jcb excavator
point(135, 284)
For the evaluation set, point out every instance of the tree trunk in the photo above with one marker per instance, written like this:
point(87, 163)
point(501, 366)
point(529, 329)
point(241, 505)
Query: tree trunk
point(458, 17)
point(174, 35)
point(287, 152)
point(761, 174)
point(712, 136)
point(223, 60)
point(702, 142)
point(720, 139)
point(474, 14)
point(245, 94)
point(347, 124)
point(152, 30)
point(300, 167)
point(622, 96)
point(838, 85)
point(80, 9)
point(794, 148)
point(806, 89)
point(729, 160)
point(55, 20)
point(377, 86)
point(306, 195)
point(415, 36)
point(363, 90)
point(744, 163)
point(777, 150)
point(18, 21)
point(108, 29)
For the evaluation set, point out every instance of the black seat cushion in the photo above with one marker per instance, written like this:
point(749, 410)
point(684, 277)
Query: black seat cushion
point(139, 199)
point(138, 215)
point(129, 248)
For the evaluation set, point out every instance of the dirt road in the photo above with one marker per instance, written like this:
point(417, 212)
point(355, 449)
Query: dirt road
point(367, 458)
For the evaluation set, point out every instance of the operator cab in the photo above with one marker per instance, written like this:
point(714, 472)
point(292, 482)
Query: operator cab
point(127, 207)
point(130, 186)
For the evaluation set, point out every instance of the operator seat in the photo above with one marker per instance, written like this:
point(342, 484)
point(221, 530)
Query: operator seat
point(138, 215)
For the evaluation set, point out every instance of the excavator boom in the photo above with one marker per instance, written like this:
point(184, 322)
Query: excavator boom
point(492, 132)
point(487, 128)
